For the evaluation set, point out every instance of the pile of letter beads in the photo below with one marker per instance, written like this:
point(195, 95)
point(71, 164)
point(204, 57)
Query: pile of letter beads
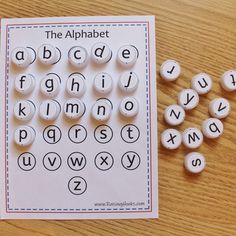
point(188, 99)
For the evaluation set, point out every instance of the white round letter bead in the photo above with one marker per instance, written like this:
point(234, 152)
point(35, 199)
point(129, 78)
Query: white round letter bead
point(127, 55)
point(129, 107)
point(101, 53)
point(103, 83)
point(48, 54)
point(228, 80)
point(171, 139)
point(101, 110)
point(78, 56)
point(219, 108)
point(74, 108)
point(49, 110)
point(174, 115)
point(24, 110)
point(75, 85)
point(24, 135)
point(188, 99)
point(192, 138)
point(202, 83)
point(50, 85)
point(24, 83)
point(170, 70)
point(128, 81)
point(212, 128)
point(194, 162)
point(22, 57)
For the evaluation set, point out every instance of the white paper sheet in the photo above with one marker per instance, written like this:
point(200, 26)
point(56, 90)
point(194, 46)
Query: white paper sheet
point(47, 191)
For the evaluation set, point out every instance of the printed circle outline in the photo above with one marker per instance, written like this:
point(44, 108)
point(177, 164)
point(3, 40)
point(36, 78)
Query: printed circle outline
point(86, 133)
point(109, 155)
point(29, 154)
point(83, 165)
point(130, 125)
point(84, 182)
point(110, 130)
point(57, 155)
point(123, 158)
point(57, 128)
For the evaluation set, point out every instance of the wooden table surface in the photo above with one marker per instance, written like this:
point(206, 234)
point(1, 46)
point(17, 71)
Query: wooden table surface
point(201, 36)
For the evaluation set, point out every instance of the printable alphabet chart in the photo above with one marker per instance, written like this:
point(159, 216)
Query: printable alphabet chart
point(78, 118)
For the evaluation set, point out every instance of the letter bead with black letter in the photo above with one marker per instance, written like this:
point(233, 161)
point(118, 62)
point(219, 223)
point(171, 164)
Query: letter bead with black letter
point(101, 110)
point(74, 108)
point(24, 135)
point(188, 99)
point(48, 54)
point(75, 85)
point(202, 83)
point(212, 128)
point(127, 55)
point(129, 107)
point(170, 70)
point(171, 139)
point(24, 110)
point(22, 57)
point(49, 110)
point(194, 162)
point(192, 138)
point(228, 80)
point(174, 115)
point(103, 83)
point(24, 83)
point(101, 53)
point(219, 108)
point(78, 56)
point(50, 85)
point(128, 81)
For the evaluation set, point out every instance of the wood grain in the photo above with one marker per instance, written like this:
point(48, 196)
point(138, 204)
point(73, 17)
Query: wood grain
point(200, 35)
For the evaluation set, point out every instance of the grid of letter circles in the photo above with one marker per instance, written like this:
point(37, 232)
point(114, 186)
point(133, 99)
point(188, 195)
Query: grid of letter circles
point(148, 120)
